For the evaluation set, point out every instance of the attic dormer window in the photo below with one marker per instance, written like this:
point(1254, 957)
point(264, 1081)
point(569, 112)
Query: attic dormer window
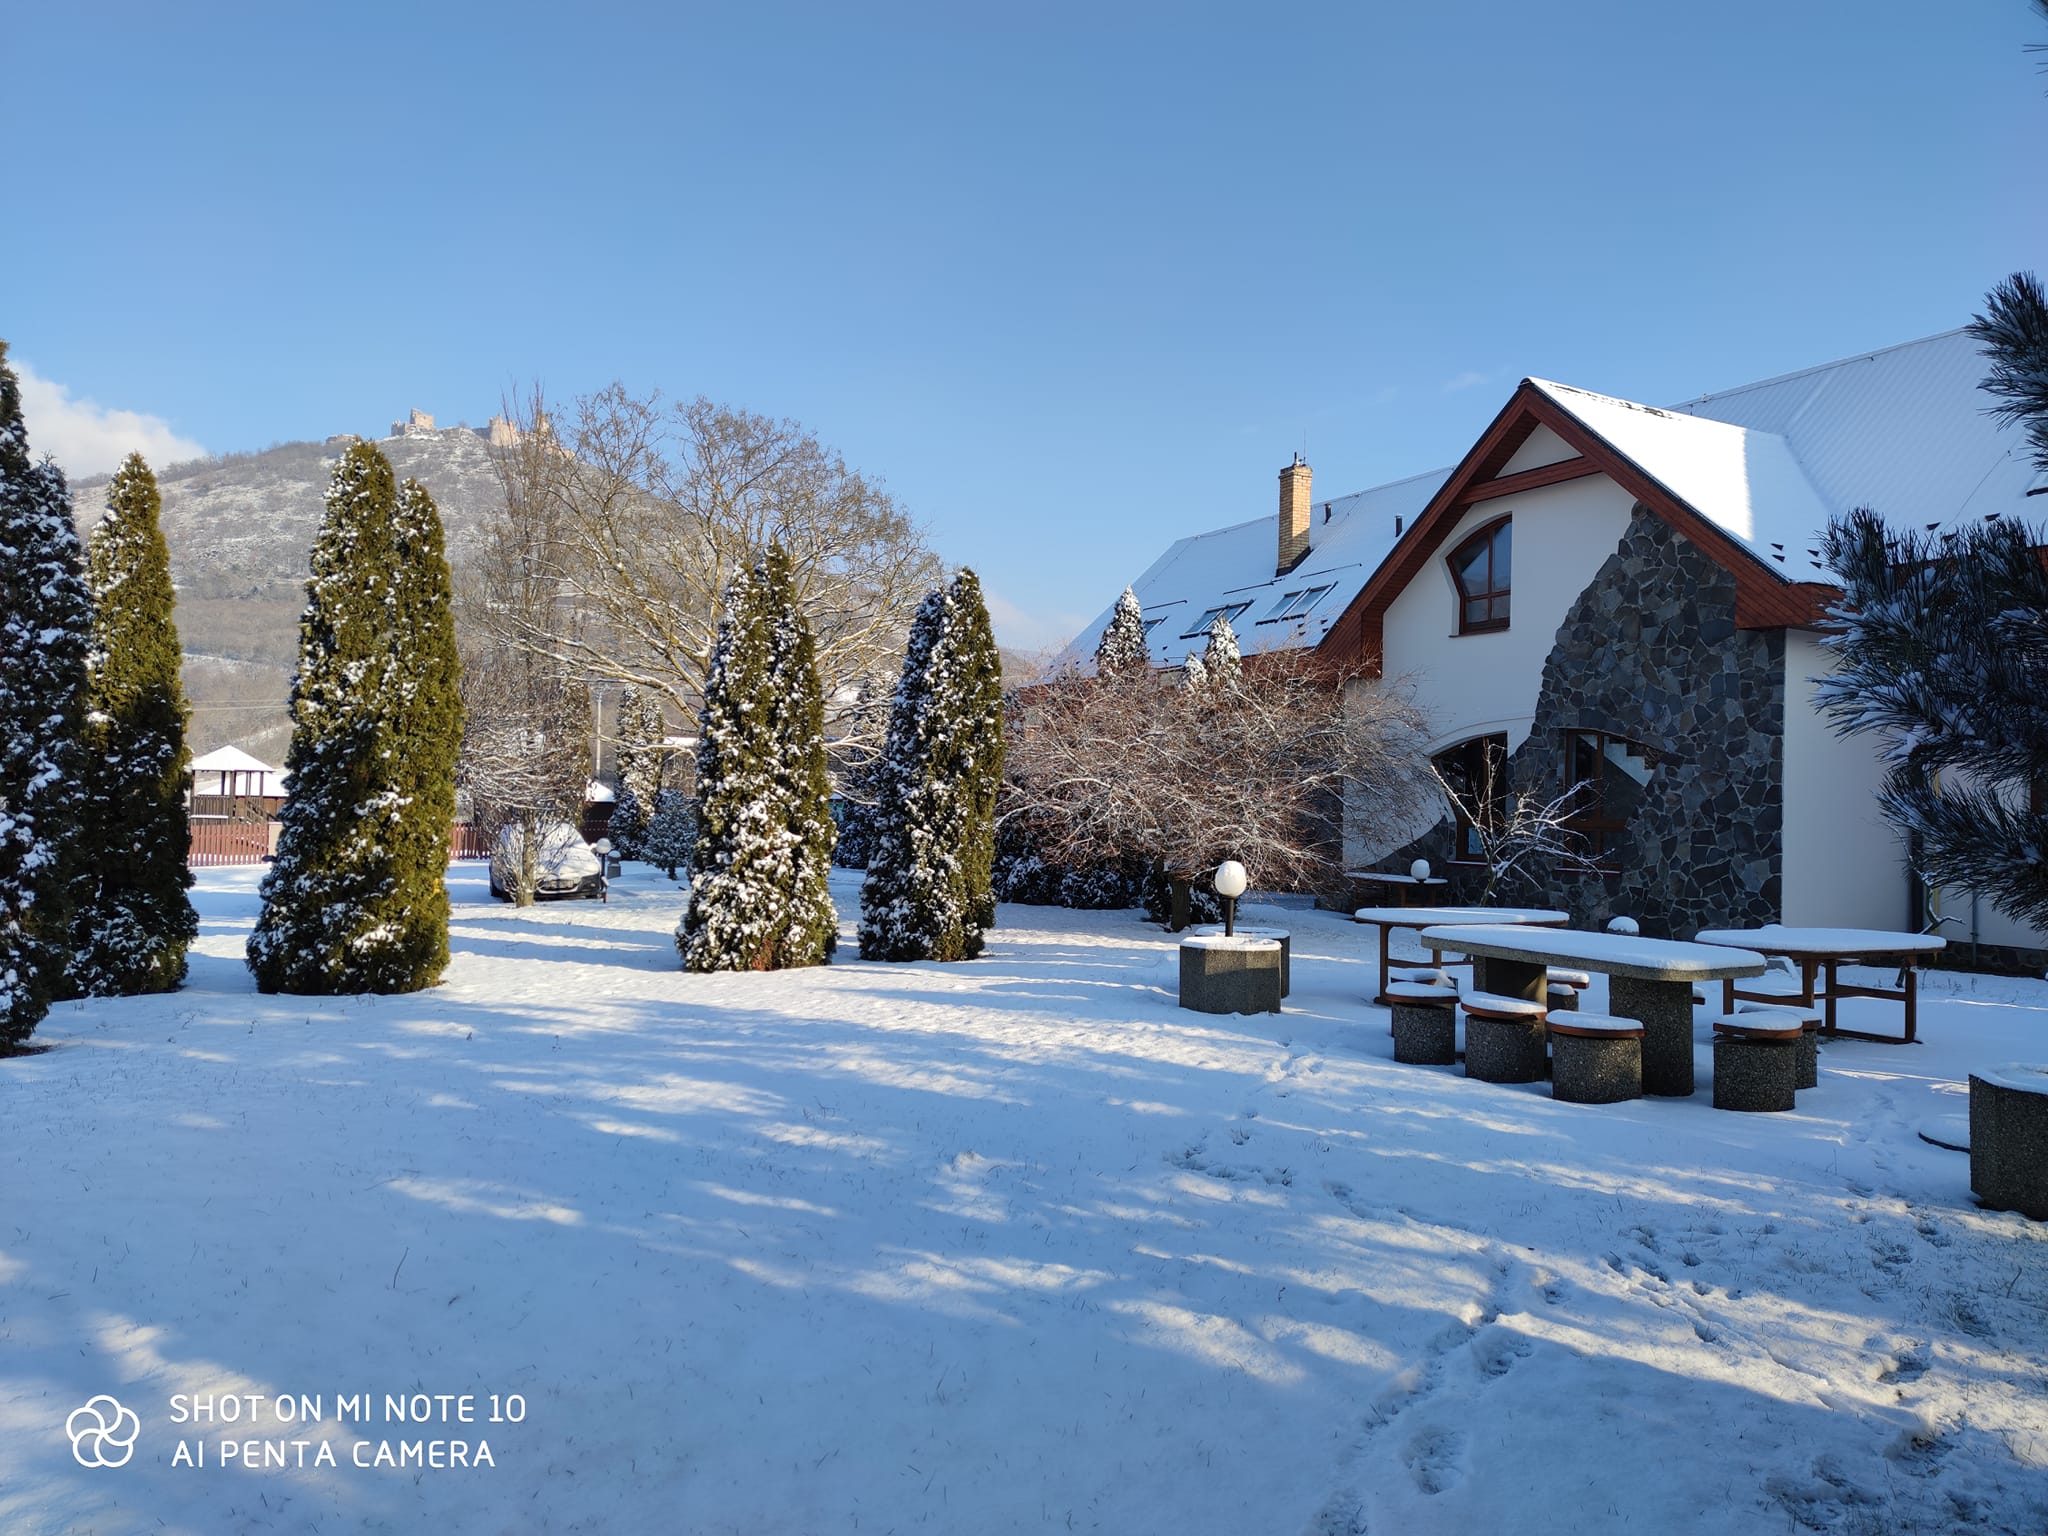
point(1480, 569)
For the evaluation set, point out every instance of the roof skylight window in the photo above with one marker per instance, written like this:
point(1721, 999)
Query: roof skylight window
point(1294, 605)
point(1227, 611)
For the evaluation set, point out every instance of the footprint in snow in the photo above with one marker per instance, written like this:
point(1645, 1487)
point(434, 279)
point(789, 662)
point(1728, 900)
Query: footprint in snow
point(1495, 1351)
point(1433, 1457)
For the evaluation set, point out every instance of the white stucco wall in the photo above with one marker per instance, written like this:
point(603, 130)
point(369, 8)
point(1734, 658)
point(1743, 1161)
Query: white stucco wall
point(1478, 684)
point(1844, 866)
point(1543, 447)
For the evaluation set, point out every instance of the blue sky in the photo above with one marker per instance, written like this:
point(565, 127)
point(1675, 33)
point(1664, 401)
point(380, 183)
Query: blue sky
point(1074, 279)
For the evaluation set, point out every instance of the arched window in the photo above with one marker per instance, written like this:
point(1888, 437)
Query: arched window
point(1480, 568)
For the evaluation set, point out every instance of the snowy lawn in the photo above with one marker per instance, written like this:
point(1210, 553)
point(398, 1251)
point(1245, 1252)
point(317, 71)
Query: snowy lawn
point(1007, 1246)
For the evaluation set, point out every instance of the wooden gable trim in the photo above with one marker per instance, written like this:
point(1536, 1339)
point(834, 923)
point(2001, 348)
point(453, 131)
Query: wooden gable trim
point(1531, 479)
point(1763, 598)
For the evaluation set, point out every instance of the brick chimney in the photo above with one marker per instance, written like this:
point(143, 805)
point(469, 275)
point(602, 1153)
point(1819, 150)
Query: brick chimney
point(1294, 516)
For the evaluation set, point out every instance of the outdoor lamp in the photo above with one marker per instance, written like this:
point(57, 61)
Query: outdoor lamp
point(1230, 884)
point(602, 847)
point(1420, 870)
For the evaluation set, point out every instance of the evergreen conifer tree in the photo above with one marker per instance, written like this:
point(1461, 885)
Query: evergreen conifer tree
point(1194, 672)
point(670, 837)
point(759, 898)
point(642, 727)
point(1220, 659)
point(45, 634)
point(133, 919)
point(1941, 645)
point(927, 893)
point(1122, 646)
point(356, 900)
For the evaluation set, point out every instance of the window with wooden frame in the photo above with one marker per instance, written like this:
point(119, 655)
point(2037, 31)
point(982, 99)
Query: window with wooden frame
point(1480, 569)
point(1477, 773)
point(1613, 772)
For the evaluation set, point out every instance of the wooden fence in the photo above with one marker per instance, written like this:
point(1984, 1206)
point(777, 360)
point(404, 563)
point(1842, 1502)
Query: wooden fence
point(229, 842)
point(249, 842)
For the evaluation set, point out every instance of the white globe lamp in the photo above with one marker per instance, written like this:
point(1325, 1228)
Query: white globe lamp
point(1231, 881)
point(1420, 870)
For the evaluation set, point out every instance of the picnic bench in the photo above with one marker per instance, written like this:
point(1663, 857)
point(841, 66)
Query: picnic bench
point(1822, 952)
point(1404, 886)
point(1387, 919)
point(1649, 980)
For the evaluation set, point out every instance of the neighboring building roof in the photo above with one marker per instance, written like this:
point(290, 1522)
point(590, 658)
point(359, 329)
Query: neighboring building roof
point(225, 760)
point(1904, 430)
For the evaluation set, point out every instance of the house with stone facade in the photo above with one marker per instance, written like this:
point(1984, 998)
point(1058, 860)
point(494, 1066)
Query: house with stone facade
point(1628, 597)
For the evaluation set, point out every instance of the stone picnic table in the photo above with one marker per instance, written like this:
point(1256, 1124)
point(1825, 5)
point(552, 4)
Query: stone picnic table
point(1648, 980)
point(1824, 950)
point(1387, 919)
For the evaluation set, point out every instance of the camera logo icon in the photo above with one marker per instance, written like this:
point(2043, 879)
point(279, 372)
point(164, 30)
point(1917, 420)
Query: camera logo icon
point(103, 1433)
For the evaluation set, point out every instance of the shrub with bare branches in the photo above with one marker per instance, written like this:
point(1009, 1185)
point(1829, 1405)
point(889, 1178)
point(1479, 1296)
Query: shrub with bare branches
point(1257, 767)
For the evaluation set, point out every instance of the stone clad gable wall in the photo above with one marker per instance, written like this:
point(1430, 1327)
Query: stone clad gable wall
point(1650, 651)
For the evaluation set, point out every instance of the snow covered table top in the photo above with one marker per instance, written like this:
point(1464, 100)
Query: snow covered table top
point(1368, 877)
point(1240, 940)
point(1835, 943)
point(1427, 917)
point(1613, 953)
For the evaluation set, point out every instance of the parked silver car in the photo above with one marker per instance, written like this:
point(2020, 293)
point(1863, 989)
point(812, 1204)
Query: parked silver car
point(564, 865)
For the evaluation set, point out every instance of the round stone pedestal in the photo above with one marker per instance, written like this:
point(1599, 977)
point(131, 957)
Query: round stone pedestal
point(1504, 1040)
point(2009, 1139)
point(1425, 1023)
point(1595, 1059)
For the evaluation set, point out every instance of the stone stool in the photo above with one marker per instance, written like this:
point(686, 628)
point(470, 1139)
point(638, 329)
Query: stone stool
point(1756, 1064)
point(2009, 1139)
point(1425, 1022)
point(1595, 1059)
point(1563, 988)
point(1809, 1017)
point(1504, 1038)
point(1230, 975)
point(1214, 930)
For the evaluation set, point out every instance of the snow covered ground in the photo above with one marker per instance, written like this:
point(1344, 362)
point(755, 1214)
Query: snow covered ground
point(1007, 1246)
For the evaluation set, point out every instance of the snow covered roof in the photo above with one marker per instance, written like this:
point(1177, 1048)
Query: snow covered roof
point(1232, 568)
point(1903, 430)
point(1749, 483)
point(231, 760)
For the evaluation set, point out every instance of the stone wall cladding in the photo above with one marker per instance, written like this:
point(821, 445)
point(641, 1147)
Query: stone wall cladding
point(1650, 651)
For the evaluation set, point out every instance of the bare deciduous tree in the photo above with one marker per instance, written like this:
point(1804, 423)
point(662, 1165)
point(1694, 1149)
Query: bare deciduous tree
point(1522, 833)
point(526, 741)
point(1255, 767)
point(638, 515)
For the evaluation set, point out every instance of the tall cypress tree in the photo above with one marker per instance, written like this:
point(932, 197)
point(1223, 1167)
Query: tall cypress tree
point(759, 900)
point(356, 900)
point(927, 893)
point(45, 633)
point(133, 919)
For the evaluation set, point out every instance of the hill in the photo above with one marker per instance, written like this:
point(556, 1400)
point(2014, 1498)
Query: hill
point(239, 528)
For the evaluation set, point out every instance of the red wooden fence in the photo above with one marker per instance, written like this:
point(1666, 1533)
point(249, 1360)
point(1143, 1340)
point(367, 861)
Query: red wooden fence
point(228, 842)
point(248, 842)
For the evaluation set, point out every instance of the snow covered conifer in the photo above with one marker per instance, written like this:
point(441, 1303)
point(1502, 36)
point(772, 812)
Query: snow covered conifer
point(1194, 672)
point(1220, 658)
point(45, 633)
point(927, 893)
point(759, 900)
point(1122, 646)
point(133, 920)
point(356, 900)
point(670, 836)
point(642, 728)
